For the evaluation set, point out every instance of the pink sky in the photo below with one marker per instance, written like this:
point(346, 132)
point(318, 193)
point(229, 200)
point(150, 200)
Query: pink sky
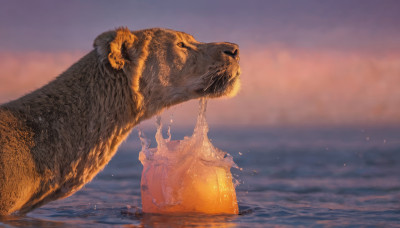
point(303, 62)
point(280, 86)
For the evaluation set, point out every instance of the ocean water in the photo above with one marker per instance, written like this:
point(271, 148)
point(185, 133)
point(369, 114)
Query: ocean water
point(303, 177)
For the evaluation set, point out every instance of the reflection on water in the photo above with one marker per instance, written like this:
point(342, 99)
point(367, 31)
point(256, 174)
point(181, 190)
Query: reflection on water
point(24, 221)
point(291, 177)
point(182, 220)
point(131, 217)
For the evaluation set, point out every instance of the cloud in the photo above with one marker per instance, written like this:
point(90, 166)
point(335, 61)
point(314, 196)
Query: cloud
point(280, 86)
point(25, 72)
point(286, 86)
point(289, 86)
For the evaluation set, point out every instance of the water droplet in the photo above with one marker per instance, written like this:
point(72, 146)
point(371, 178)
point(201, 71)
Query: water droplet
point(176, 165)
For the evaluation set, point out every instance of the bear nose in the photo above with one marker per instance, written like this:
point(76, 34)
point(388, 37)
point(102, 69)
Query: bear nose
point(232, 51)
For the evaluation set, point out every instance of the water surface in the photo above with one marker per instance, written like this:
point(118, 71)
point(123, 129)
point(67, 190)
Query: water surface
point(291, 177)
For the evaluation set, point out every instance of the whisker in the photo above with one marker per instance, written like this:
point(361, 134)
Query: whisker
point(210, 80)
point(215, 79)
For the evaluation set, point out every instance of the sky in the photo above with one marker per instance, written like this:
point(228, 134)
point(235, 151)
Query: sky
point(304, 62)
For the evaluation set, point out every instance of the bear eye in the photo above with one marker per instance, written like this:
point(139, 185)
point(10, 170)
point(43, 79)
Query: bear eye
point(181, 45)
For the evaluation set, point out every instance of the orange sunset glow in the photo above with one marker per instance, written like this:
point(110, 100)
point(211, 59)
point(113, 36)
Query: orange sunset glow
point(298, 67)
point(280, 86)
point(124, 114)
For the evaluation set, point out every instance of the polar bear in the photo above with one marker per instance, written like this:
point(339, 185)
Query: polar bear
point(57, 138)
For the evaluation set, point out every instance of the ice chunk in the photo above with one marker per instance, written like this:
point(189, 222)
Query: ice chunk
point(189, 175)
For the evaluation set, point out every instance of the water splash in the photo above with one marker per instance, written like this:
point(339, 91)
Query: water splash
point(172, 149)
point(189, 175)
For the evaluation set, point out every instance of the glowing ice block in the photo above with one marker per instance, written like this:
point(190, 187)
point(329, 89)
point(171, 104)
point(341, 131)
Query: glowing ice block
point(188, 175)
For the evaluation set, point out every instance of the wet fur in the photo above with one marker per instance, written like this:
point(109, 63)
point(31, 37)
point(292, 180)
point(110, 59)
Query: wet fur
point(57, 138)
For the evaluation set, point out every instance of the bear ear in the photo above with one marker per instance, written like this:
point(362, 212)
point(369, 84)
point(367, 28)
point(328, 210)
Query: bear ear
point(113, 46)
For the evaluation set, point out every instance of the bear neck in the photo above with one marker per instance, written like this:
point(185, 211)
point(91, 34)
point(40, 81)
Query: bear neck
point(78, 121)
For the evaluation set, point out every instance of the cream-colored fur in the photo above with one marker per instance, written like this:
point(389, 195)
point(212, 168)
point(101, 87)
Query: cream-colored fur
point(57, 138)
